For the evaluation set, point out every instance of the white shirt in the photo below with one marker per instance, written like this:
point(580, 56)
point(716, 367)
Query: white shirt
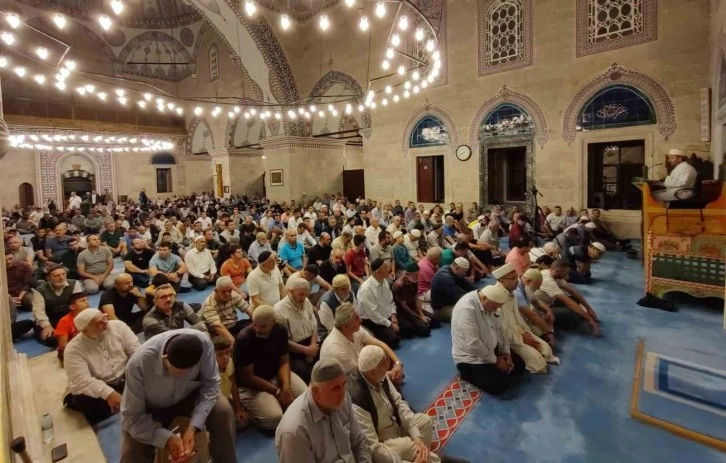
point(412, 246)
point(337, 346)
point(327, 318)
point(292, 223)
point(375, 302)
point(490, 238)
point(91, 364)
point(682, 176)
point(75, 202)
point(205, 221)
point(312, 216)
point(372, 235)
point(299, 321)
point(200, 262)
point(551, 286)
point(264, 285)
point(556, 222)
point(475, 334)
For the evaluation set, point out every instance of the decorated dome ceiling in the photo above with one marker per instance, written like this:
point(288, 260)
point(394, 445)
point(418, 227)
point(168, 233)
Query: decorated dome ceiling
point(299, 10)
point(147, 14)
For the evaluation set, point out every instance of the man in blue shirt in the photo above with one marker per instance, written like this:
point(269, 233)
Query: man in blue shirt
point(168, 264)
point(174, 374)
point(292, 253)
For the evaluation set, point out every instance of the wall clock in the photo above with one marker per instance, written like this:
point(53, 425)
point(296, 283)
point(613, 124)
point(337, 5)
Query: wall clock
point(463, 152)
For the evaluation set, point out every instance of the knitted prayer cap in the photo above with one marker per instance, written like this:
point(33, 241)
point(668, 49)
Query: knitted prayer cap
point(532, 274)
point(224, 281)
point(85, 317)
point(341, 281)
point(184, 350)
point(326, 369)
point(504, 270)
point(462, 262)
point(495, 293)
point(369, 358)
point(599, 246)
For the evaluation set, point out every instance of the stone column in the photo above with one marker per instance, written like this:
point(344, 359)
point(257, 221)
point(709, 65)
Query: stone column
point(221, 173)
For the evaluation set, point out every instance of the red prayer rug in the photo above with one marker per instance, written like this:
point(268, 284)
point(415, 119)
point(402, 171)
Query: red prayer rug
point(449, 409)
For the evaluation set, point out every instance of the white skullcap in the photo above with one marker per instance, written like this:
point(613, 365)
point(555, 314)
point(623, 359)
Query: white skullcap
point(326, 370)
point(599, 246)
point(369, 358)
point(462, 262)
point(505, 269)
point(397, 234)
point(223, 281)
point(85, 317)
point(590, 225)
point(495, 293)
point(676, 152)
point(200, 237)
point(532, 274)
point(416, 233)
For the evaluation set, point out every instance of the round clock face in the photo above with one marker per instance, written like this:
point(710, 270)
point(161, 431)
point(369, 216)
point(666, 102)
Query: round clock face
point(463, 153)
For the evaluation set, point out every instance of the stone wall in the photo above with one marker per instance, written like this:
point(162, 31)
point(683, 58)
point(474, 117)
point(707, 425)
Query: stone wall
point(17, 167)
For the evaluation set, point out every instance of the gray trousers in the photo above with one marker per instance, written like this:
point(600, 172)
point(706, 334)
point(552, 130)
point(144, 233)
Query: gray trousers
point(220, 424)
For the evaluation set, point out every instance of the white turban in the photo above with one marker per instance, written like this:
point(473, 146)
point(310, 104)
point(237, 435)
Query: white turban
point(504, 270)
point(370, 357)
point(85, 317)
point(495, 293)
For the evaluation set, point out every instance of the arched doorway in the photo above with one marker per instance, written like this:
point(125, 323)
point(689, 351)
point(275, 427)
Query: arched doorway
point(25, 194)
point(79, 181)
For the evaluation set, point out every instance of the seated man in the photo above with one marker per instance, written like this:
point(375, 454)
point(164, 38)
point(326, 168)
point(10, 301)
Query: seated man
point(428, 266)
point(377, 309)
point(311, 274)
point(393, 431)
point(175, 374)
point(681, 179)
point(343, 242)
point(411, 242)
point(488, 246)
point(321, 251)
point(346, 340)
point(262, 363)
point(518, 255)
point(480, 352)
point(569, 306)
point(95, 362)
point(21, 252)
point(448, 286)
point(603, 234)
point(532, 305)
point(335, 265)
point(20, 276)
point(339, 293)
point(228, 383)
point(118, 303)
point(229, 231)
point(382, 248)
point(401, 257)
point(297, 314)
point(411, 317)
point(535, 352)
point(264, 284)
point(219, 310)
point(56, 246)
point(292, 253)
point(305, 433)
point(237, 267)
point(50, 303)
point(95, 265)
point(200, 265)
point(168, 314)
point(66, 330)
point(550, 248)
point(111, 238)
point(356, 261)
point(168, 264)
point(136, 262)
point(259, 245)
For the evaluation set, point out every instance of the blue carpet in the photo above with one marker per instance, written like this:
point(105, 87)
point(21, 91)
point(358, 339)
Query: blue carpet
point(578, 412)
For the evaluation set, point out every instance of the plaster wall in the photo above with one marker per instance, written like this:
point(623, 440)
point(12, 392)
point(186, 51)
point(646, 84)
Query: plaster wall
point(16, 167)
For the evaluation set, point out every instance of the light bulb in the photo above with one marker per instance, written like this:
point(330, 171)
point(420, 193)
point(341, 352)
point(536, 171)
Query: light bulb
point(230, 114)
point(312, 108)
point(401, 70)
point(388, 89)
point(105, 22)
point(384, 102)
point(424, 84)
point(3, 61)
point(250, 8)
point(307, 115)
point(39, 78)
point(301, 111)
point(263, 116)
point(361, 108)
point(430, 45)
point(120, 92)
point(419, 35)
point(268, 113)
point(42, 53)
point(430, 78)
point(246, 115)
point(385, 64)
point(334, 113)
point(8, 38)
point(253, 111)
point(406, 94)
point(416, 75)
point(349, 3)
point(321, 114)
point(403, 23)
point(198, 111)
point(324, 22)
point(415, 89)
point(278, 116)
point(60, 86)
point(395, 98)
point(142, 104)
point(20, 71)
point(117, 6)
point(13, 20)
point(396, 40)
point(69, 64)
point(389, 53)
point(285, 22)
point(122, 100)
point(237, 109)
point(89, 88)
point(363, 24)
point(81, 91)
point(59, 20)
point(102, 96)
point(380, 9)
point(373, 105)
point(170, 105)
point(291, 114)
point(436, 55)
point(348, 108)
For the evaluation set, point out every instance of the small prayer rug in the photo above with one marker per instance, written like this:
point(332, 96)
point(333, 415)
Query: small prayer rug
point(449, 409)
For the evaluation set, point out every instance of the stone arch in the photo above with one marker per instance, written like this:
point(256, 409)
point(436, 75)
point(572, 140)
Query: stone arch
point(49, 176)
point(616, 74)
point(337, 77)
point(182, 70)
point(428, 109)
point(198, 123)
point(507, 95)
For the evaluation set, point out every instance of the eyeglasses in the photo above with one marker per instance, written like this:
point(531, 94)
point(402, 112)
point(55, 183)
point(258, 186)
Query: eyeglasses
point(165, 296)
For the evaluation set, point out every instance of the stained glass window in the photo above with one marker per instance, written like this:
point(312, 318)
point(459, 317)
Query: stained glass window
point(616, 106)
point(429, 131)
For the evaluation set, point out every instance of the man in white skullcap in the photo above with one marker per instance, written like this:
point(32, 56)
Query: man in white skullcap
point(320, 426)
point(329, 303)
point(532, 303)
point(479, 347)
point(448, 286)
point(297, 314)
point(95, 361)
point(535, 352)
point(411, 241)
point(681, 179)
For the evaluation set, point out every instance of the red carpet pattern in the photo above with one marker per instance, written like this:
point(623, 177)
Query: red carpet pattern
point(449, 409)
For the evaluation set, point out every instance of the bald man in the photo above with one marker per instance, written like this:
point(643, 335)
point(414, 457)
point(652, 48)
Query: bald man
point(118, 302)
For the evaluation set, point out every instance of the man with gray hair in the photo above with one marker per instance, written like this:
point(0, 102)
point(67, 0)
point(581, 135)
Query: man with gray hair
point(297, 314)
point(376, 305)
point(320, 425)
point(219, 310)
point(262, 368)
point(550, 248)
point(448, 286)
point(259, 245)
point(346, 340)
point(340, 293)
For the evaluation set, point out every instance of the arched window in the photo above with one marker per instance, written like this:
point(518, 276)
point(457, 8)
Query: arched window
point(163, 159)
point(505, 34)
point(507, 119)
point(213, 63)
point(616, 106)
point(429, 131)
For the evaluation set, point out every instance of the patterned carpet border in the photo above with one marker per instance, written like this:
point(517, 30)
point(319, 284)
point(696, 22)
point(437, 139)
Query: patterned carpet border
point(449, 409)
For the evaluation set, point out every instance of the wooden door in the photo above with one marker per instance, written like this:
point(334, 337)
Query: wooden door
point(354, 184)
point(425, 179)
point(25, 193)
